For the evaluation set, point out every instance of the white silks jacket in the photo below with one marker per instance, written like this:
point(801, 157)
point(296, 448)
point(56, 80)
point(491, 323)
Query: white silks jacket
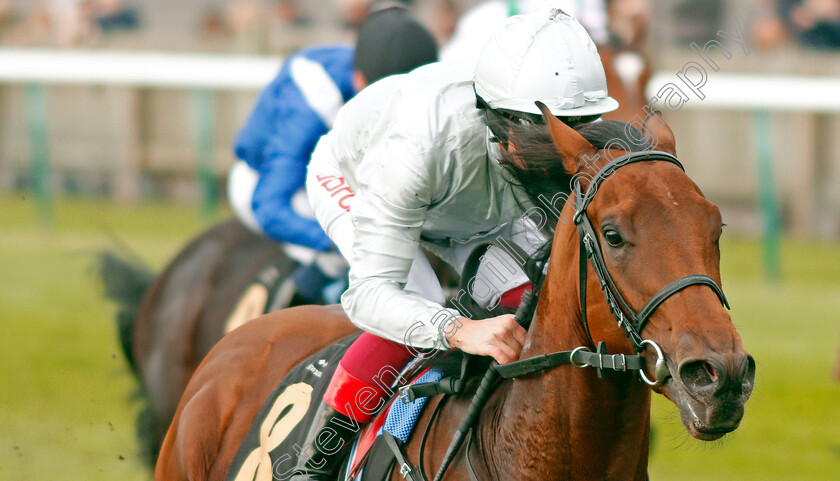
point(414, 150)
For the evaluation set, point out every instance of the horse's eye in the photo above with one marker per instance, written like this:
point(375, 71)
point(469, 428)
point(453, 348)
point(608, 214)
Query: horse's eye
point(613, 238)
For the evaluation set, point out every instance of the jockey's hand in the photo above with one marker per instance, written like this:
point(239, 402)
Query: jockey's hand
point(500, 337)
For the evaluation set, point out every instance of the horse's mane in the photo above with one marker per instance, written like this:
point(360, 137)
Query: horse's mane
point(535, 164)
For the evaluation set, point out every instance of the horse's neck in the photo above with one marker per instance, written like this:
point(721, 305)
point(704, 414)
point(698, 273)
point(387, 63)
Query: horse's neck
point(565, 423)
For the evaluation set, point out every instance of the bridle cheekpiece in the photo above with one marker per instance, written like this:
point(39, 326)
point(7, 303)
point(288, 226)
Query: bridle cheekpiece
point(631, 321)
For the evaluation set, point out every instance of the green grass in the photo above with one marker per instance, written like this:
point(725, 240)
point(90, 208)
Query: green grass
point(791, 430)
point(65, 409)
point(66, 413)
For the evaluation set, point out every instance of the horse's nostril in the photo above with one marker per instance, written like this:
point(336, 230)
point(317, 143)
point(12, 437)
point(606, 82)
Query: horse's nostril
point(699, 375)
point(716, 377)
point(747, 372)
point(710, 371)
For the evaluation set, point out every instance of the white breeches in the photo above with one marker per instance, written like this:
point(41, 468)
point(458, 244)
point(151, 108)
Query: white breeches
point(242, 181)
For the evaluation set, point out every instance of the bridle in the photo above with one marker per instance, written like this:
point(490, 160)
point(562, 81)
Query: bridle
point(631, 321)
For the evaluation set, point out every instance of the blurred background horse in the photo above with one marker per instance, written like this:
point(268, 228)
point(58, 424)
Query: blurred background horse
point(167, 323)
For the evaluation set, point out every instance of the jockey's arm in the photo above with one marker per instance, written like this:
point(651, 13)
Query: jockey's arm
point(283, 174)
point(389, 211)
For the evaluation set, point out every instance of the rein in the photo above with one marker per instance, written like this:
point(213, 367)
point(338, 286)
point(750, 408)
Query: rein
point(630, 321)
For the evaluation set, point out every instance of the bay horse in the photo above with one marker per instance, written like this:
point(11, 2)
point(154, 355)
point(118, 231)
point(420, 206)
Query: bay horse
point(640, 230)
point(168, 322)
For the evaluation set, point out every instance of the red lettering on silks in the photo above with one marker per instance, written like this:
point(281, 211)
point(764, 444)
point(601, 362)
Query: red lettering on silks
point(331, 184)
point(342, 202)
point(335, 185)
point(343, 189)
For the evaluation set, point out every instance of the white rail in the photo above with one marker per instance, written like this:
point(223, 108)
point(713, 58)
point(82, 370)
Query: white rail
point(241, 72)
point(726, 91)
point(140, 69)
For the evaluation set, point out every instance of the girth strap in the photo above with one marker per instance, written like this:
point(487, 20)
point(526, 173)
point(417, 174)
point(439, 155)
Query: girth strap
point(406, 471)
point(447, 385)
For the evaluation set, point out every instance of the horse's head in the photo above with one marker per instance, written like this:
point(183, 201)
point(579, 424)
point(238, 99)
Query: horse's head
point(653, 227)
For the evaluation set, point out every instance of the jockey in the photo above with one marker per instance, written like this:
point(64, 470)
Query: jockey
point(412, 160)
point(266, 186)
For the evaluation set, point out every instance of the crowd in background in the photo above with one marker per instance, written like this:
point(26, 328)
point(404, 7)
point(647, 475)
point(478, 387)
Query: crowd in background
point(66, 23)
point(812, 23)
point(279, 26)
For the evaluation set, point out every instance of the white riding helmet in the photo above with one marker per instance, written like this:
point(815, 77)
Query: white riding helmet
point(545, 56)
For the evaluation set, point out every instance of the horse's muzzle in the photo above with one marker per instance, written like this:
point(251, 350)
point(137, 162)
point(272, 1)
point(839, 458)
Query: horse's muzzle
point(711, 393)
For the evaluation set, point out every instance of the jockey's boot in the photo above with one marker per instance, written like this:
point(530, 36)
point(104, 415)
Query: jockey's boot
point(328, 440)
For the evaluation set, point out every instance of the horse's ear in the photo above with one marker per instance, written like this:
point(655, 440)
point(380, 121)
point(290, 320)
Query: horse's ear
point(569, 144)
point(659, 133)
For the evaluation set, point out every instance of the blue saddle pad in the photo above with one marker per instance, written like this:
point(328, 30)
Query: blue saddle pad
point(401, 416)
